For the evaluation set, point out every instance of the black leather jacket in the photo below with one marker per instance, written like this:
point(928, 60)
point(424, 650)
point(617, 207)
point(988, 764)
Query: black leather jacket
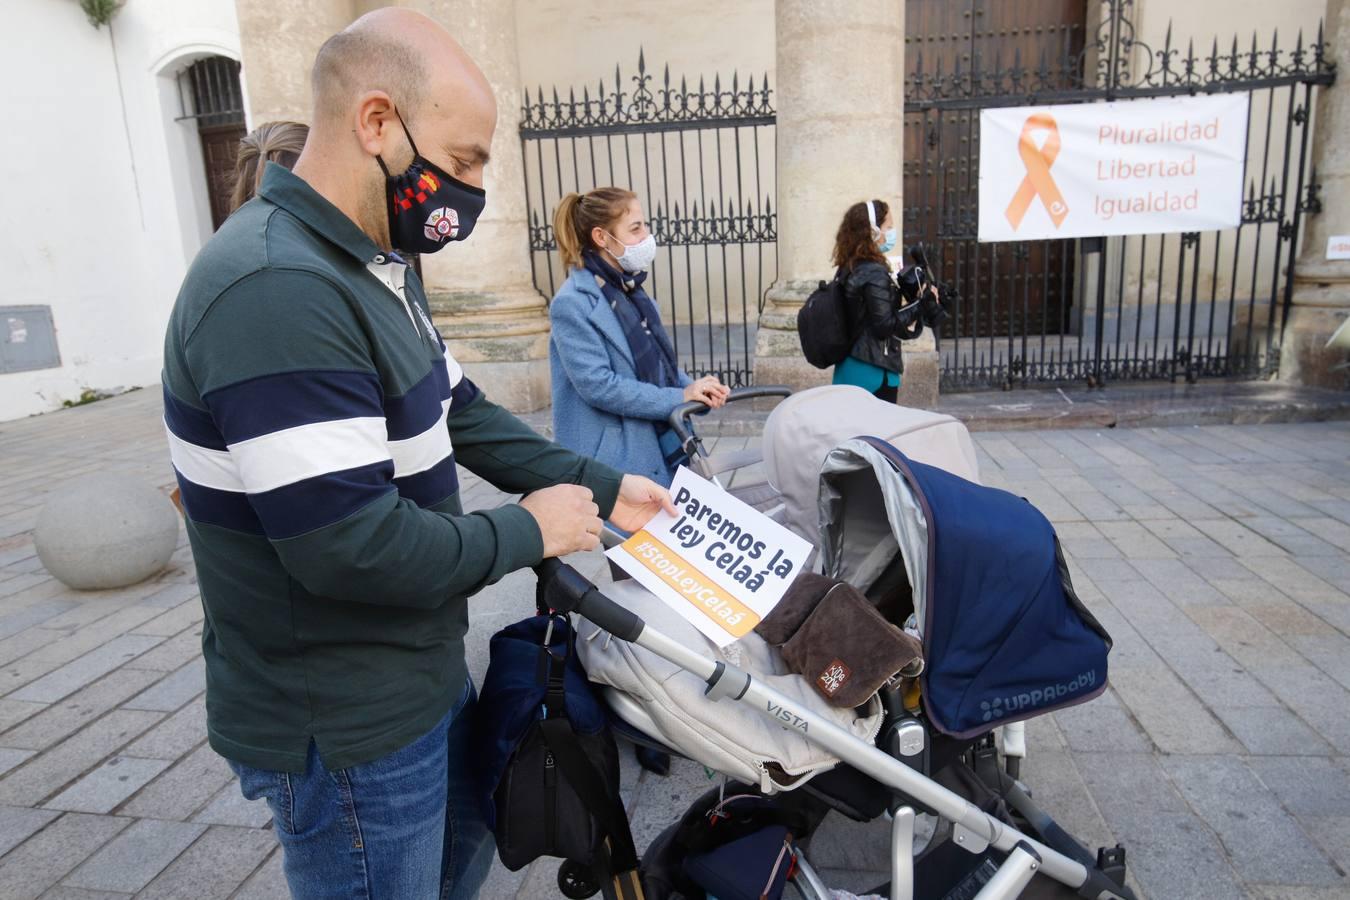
point(879, 317)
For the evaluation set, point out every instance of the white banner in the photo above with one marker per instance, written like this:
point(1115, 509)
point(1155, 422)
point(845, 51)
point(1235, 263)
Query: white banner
point(1132, 167)
point(720, 563)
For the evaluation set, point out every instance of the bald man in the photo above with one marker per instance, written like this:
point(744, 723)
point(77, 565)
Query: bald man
point(315, 419)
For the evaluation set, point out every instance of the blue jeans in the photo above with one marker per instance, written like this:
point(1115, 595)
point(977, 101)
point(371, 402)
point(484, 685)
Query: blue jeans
point(407, 826)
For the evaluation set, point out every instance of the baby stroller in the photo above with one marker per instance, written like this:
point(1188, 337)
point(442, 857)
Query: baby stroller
point(1004, 638)
point(800, 432)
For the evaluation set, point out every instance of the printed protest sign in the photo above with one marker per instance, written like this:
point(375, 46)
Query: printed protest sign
point(1129, 167)
point(720, 563)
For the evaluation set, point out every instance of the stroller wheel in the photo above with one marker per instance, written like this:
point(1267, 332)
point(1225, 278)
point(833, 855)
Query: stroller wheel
point(577, 881)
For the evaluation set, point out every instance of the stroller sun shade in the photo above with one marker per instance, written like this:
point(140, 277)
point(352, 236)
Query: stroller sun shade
point(1004, 635)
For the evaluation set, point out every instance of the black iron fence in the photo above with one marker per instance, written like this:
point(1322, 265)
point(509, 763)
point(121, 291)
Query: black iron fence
point(1139, 307)
point(1190, 305)
point(701, 159)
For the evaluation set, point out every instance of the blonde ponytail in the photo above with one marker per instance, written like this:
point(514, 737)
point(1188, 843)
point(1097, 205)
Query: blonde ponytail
point(578, 214)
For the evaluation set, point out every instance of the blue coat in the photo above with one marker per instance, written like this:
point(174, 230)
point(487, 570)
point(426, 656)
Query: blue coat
point(600, 408)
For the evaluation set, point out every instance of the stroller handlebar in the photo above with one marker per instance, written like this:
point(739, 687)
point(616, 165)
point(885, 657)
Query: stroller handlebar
point(564, 589)
point(680, 415)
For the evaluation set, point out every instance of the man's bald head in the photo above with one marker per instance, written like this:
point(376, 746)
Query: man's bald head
point(399, 51)
point(388, 65)
point(360, 59)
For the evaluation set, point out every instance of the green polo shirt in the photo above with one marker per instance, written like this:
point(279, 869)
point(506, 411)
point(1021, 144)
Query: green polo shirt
point(315, 420)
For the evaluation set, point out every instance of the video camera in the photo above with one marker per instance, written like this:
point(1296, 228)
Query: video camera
point(914, 281)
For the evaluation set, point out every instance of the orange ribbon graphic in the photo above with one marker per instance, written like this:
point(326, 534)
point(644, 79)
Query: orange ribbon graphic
point(1038, 181)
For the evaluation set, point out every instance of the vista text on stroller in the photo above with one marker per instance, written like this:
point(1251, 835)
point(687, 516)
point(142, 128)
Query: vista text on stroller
point(718, 562)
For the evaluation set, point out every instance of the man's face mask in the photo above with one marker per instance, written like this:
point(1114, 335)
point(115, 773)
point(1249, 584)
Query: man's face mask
point(428, 208)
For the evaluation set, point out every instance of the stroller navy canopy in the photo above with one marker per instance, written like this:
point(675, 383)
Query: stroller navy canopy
point(1004, 635)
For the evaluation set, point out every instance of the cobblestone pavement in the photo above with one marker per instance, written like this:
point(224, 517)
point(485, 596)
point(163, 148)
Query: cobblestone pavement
point(1218, 558)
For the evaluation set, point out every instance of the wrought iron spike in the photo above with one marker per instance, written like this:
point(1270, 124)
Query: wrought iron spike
point(642, 60)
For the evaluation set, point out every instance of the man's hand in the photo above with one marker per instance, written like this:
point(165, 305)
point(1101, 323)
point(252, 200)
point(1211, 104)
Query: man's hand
point(568, 518)
point(639, 499)
point(708, 390)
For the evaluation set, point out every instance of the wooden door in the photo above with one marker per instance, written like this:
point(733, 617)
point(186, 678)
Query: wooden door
point(961, 55)
point(220, 148)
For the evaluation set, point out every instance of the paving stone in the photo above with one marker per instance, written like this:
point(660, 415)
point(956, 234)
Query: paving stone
point(213, 867)
point(1332, 834)
point(1293, 579)
point(1307, 786)
point(1180, 583)
point(1245, 639)
point(103, 789)
point(16, 623)
point(1172, 854)
point(1330, 652)
point(1061, 792)
point(60, 892)
point(1237, 538)
point(1134, 541)
point(71, 677)
point(169, 597)
point(183, 789)
point(100, 606)
point(1099, 726)
point(24, 643)
point(134, 857)
point(173, 621)
point(229, 807)
point(172, 692)
point(1290, 537)
point(47, 856)
point(174, 653)
point(1173, 718)
point(14, 586)
point(58, 720)
point(1315, 697)
point(1272, 731)
point(18, 825)
point(1264, 843)
point(11, 758)
point(44, 775)
point(269, 882)
point(175, 736)
point(107, 617)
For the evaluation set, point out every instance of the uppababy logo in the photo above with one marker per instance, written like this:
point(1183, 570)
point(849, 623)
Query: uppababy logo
point(998, 707)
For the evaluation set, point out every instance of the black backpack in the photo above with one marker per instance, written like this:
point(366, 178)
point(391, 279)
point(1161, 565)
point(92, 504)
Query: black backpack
point(549, 763)
point(823, 324)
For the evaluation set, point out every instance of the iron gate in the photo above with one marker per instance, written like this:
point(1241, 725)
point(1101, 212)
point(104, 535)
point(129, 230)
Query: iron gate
point(701, 159)
point(1137, 307)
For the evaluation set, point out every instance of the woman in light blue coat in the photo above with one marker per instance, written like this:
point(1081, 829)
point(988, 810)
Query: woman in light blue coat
point(615, 375)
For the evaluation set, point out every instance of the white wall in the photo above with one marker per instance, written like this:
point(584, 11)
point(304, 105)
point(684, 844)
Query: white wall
point(104, 196)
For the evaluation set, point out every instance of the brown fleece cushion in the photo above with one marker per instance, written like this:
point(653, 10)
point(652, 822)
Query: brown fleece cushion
point(798, 601)
point(847, 648)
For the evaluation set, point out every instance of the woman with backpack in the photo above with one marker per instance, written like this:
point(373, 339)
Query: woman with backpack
point(615, 375)
point(879, 317)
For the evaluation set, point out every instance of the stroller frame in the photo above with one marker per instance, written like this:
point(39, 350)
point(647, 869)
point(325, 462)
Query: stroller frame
point(973, 829)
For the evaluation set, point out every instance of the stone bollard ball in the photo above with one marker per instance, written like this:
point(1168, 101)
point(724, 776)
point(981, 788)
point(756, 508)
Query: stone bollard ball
point(105, 531)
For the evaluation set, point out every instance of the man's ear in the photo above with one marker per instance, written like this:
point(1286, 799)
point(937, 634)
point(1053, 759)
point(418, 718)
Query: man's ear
point(376, 125)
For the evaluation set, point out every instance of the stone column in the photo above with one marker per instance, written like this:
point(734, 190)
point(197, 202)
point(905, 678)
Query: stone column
point(1321, 299)
point(279, 42)
point(840, 92)
point(481, 290)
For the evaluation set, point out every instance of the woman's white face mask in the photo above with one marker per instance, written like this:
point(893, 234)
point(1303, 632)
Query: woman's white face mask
point(636, 257)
